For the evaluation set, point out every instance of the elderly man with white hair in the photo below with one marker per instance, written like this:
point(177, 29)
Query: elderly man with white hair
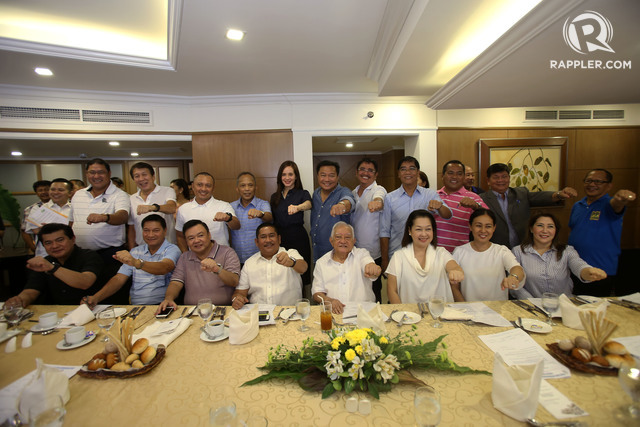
point(346, 273)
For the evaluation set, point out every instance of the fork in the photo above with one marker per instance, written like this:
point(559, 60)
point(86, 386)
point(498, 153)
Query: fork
point(389, 319)
point(422, 306)
point(401, 322)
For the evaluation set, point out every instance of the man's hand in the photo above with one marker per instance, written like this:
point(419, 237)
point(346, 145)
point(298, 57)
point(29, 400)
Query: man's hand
point(338, 209)
point(592, 274)
point(509, 282)
point(376, 205)
point(625, 196)
point(143, 209)
point(90, 300)
point(254, 213)
point(238, 301)
point(283, 258)
point(567, 193)
point(455, 277)
point(372, 270)
point(210, 265)
point(95, 218)
point(468, 202)
point(221, 217)
point(293, 209)
point(434, 205)
point(125, 257)
point(39, 264)
point(164, 304)
point(336, 306)
point(14, 301)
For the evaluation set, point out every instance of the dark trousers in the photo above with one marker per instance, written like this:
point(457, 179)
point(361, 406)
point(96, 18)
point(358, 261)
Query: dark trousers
point(377, 284)
point(110, 269)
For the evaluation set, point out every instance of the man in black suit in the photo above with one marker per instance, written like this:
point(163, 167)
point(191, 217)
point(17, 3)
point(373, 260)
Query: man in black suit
point(512, 205)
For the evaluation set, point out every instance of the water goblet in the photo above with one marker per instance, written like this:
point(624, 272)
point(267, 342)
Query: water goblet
point(13, 313)
point(436, 308)
point(426, 405)
point(550, 303)
point(303, 308)
point(106, 319)
point(630, 381)
point(205, 308)
point(223, 415)
point(42, 413)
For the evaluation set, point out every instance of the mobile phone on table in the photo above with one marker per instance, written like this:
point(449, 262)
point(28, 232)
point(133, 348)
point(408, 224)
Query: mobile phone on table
point(165, 313)
point(263, 316)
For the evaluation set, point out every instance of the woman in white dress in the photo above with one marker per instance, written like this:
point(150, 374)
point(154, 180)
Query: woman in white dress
point(485, 264)
point(421, 269)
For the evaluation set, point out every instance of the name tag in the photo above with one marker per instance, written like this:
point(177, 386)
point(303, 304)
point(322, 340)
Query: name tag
point(595, 216)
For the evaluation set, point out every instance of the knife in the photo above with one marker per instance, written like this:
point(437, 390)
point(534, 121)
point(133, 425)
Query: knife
point(524, 306)
point(139, 311)
point(184, 310)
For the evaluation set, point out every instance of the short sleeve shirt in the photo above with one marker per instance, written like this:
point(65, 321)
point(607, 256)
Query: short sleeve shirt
point(205, 213)
point(322, 221)
point(243, 240)
point(344, 281)
point(367, 224)
point(160, 195)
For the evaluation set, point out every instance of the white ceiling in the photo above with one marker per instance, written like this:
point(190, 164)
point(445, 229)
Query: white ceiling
point(330, 46)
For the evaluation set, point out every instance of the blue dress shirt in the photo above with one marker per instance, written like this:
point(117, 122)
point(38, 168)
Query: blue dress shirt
point(321, 220)
point(243, 240)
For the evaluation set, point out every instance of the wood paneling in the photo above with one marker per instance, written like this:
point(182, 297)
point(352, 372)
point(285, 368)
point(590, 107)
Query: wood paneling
point(225, 154)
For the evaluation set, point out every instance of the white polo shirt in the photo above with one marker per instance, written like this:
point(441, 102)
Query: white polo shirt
point(159, 195)
point(100, 235)
point(367, 224)
point(345, 281)
point(65, 212)
point(269, 282)
point(205, 213)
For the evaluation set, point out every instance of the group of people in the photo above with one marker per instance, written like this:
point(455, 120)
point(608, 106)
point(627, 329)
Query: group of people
point(457, 242)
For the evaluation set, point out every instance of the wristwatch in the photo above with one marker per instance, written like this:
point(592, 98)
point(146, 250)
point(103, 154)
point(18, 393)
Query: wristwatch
point(157, 206)
point(220, 268)
point(294, 261)
point(230, 216)
point(514, 275)
point(55, 268)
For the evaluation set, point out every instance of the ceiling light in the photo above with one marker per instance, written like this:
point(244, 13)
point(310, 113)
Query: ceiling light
point(235, 34)
point(114, 143)
point(16, 153)
point(348, 145)
point(134, 154)
point(43, 71)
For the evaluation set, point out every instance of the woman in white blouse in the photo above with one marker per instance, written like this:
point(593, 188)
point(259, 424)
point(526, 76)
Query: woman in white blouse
point(485, 263)
point(548, 264)
point(421, 269)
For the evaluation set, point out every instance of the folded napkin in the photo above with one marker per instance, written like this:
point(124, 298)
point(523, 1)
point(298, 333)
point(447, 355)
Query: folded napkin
point(516, 388)
point(11, 345)
point(453, 314)
point(154, 333)
point(374, 319)
point(27, 341)
point(243, 328)
point(78, 317)
point(43, 390)
point(570, 311)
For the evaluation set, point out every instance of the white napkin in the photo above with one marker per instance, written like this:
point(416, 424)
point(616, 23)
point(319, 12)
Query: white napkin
point(374, 319)
point(11, 345)
point(41, 392)
point(453, 314)
point(78, 317)
point(243, 328)
point(570, 311)
point(516, 388)
point(167, 338)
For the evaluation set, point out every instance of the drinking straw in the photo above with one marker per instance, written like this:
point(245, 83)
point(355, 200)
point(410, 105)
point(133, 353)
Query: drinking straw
point(322, 299)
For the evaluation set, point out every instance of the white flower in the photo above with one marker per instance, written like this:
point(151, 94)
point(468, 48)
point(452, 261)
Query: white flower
point(355, 371)
point(334, 365)
point(370, 350)
point(387, 367)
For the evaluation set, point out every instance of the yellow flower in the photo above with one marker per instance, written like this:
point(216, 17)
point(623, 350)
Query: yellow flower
point(337, 341)
point(349, 355)
point(384, 340)
point(356, 336)
point(359, 349)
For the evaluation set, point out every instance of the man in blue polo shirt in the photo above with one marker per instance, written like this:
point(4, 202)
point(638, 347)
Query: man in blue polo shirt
point(596, 228)
point(149, 265)
point(330, 204)
point(251, 211)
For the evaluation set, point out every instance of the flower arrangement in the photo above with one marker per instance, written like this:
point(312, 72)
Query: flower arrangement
point(357, 359)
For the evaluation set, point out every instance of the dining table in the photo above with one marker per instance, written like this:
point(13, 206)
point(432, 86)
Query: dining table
point(195, 376)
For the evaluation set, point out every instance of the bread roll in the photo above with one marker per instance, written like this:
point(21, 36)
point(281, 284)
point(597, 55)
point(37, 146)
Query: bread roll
point(628, 360)
point(582, 342)
point(137, 364)
point(96, 364)
point(600, 360)
point(112, 359)
point(120, 366)
point(148, 355)
point(615, 360)
point(614, 347)
point(131, 358)
point(139, 346)
point(565, 345)
point(581, 354)
point(110, 347)
point(102, 356)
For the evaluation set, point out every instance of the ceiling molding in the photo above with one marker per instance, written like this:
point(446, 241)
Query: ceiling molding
point(536, 21)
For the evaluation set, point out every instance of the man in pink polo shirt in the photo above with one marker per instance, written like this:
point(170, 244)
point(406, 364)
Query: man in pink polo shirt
point(454, 232)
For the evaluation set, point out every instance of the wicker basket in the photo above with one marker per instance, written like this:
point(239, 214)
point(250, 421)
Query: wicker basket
point(567, 360)
point(103, 374)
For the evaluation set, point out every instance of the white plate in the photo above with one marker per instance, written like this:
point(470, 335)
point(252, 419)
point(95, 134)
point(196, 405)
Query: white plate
point(119, 311)
point(537, 326)
point(38, 328)
point(224, 336)
point(409, 320)
point(8, 334)
point(61, 346)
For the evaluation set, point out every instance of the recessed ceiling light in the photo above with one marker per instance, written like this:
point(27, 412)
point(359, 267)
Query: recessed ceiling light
point(235, 34)
point(43, 71)
point(114, 143)
point(16, 153)
point(134, 154)
point(348, 145)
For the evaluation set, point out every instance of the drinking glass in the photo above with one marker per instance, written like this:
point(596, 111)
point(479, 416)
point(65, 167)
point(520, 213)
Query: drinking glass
point(223, 415)
point(550, 304)
point(426, 406)
point(326, 317)
point(303, 308)
point(205, 308)
point(47, 413)
point(436, 308)
point(106, 319)
point(13, 313)
point(630, 381)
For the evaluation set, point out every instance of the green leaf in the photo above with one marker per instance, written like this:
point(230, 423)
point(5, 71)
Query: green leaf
point(337, 384)
point(534, 187)
point(538, 160)
point(548, 161)
point(373, 390)
point(274, 374)
point(509, 167)
point(10, 208)
point(314, 380)
point(539, 173)
point(533, 175)
point(545, 178)
point(328, 391)
point(524, 180)
point(518, 182)
point(525, 169)
point(515, 171)
point(349, 385)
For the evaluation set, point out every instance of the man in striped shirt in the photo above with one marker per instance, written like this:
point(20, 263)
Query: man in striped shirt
point(454, 232)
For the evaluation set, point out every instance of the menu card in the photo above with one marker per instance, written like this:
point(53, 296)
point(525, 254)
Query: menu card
point(557, 403)
point(482, 314)
point(517, 348)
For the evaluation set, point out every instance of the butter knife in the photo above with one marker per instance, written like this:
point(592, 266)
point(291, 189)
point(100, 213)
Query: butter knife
point(524, 306)
point(184, 310)
point(139, 311)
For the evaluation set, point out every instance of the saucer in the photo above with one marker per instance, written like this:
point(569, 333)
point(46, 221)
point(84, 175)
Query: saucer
point(37, 328)
point(537, 326)
point(86, 340)
point(10, 333)
point(409, 320)
point(224, 336)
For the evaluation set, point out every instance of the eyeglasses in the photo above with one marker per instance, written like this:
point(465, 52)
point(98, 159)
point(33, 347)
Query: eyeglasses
point(409, 169)
point(366, 170)
point(595, 181)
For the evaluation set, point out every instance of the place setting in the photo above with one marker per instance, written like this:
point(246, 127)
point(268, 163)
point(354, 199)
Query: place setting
point(76, 337)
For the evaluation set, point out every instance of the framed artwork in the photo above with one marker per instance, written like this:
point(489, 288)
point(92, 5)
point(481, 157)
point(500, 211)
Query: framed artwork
point(540, 164)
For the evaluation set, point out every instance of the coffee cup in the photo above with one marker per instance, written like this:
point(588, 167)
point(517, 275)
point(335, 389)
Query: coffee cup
point(215, 328)
point(48, 320)
point(74, 335)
